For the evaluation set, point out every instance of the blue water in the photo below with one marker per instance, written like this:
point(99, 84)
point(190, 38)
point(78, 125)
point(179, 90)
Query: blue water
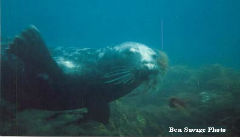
point(195, 32)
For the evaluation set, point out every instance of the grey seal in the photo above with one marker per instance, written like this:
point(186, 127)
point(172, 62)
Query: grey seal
point(70, 78)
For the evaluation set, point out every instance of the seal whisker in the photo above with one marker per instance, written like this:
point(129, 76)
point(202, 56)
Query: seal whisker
point(115, 74)
point(129, 79)
point(126, 81)
point(118, 78)
point(118, 70)
point(123, 81)
point(120, 67)
point(132, 80)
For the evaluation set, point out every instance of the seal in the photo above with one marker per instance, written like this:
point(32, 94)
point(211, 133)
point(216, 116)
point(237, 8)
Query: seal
point(70, 78)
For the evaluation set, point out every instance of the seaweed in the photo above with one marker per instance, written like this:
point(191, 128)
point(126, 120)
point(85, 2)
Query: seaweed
point(211, 94)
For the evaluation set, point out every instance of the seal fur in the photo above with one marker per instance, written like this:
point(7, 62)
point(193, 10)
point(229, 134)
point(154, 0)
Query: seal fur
point(71, 78)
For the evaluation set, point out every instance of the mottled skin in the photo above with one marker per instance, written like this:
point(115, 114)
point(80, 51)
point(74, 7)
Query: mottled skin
point(31, 78)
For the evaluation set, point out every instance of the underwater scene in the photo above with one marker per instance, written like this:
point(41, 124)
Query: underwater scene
point(120, 68)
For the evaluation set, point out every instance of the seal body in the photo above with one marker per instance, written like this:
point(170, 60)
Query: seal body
point(70, 78)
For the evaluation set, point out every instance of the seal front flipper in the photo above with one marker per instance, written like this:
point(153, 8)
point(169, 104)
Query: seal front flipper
point(31, 49)
point(98, 109)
